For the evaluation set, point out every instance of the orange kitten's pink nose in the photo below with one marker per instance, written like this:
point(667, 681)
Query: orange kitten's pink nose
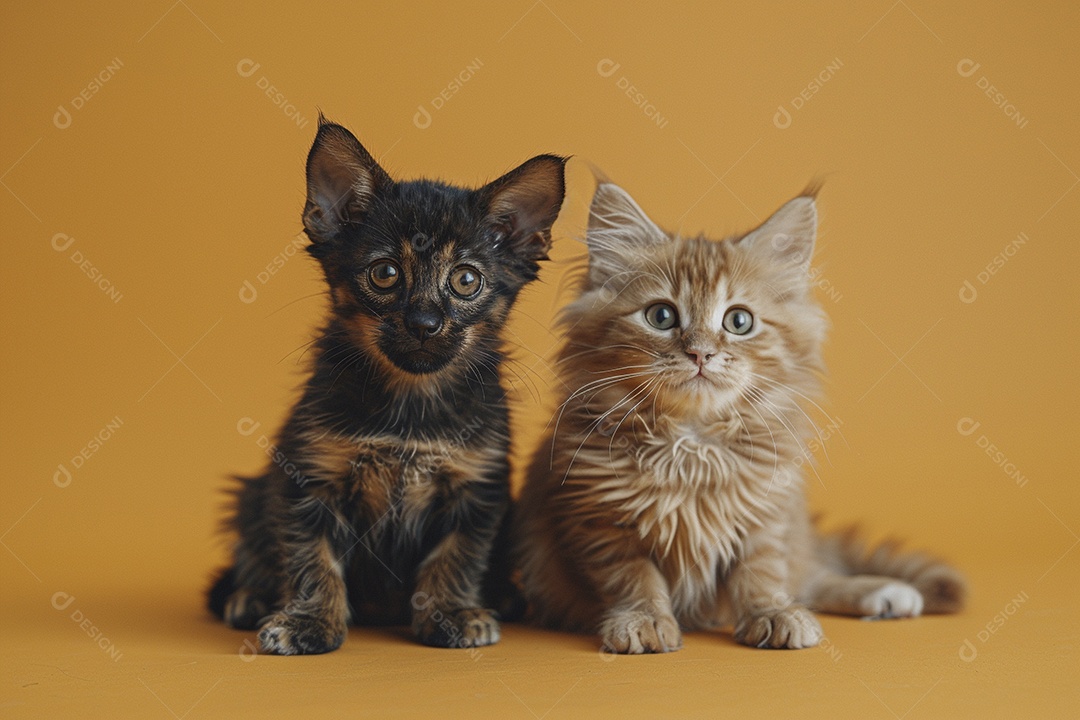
point(701, 355)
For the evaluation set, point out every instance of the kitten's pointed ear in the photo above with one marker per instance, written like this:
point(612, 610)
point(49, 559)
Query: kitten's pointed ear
point(787, 238)
point(522, 204)
point(342, 177)
point(618, 227)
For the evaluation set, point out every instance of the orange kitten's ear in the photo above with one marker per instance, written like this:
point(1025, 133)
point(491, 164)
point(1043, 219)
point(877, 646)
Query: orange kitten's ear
point(522, 204)
point(786, 239)
point(618, 228)
point(341, 180)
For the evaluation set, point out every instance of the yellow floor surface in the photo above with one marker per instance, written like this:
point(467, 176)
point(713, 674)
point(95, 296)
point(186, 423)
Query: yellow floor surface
point(157, 655)
point(156, 303)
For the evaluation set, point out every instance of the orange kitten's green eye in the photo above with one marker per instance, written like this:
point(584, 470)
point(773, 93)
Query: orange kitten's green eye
point(384, 275)
point(738, 321)
point(662, 316)
point(466, 282)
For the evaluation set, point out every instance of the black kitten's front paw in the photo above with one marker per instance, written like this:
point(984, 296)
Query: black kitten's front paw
point(294, 634)
point(469, 627)
point(244, 610)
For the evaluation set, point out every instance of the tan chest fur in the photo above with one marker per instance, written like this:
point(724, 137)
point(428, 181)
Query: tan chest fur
point(693, 497)
point(389, 481)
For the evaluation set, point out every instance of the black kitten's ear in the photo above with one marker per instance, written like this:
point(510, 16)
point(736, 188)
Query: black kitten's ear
point(522, 205)
point(341, 179)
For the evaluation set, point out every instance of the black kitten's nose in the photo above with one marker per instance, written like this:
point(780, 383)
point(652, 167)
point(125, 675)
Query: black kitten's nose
point(423, 324)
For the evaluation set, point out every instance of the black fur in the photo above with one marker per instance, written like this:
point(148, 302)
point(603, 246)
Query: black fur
point(390, 478)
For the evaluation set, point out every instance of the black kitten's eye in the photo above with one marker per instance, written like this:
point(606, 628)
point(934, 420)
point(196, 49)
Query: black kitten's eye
point(662, 316)
point(738, 321)
point(384, 274)
point(466, 282)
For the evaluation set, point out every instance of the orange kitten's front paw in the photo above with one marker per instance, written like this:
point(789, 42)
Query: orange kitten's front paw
point(792, 628)
point(295, 634)
point(634, 632)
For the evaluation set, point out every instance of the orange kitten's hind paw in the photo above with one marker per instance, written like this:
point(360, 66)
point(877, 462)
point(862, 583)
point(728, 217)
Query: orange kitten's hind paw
point(634, 632)
point(891, 601)
point(792, 628)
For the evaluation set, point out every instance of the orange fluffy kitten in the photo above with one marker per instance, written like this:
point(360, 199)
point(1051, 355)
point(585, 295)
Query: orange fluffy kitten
point(670, 494)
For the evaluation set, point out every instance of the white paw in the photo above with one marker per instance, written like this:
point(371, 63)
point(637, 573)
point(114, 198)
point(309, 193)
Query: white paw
point(894, 600)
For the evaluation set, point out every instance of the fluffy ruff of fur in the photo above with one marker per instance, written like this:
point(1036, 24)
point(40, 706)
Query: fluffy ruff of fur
point(669, 493)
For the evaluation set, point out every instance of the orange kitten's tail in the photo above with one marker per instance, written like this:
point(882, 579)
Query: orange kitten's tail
point(943, 588)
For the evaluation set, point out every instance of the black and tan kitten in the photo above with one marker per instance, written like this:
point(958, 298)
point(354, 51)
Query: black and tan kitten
point(393, 475)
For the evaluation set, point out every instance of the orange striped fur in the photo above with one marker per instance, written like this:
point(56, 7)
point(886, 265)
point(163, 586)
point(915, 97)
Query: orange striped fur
point(669, 492)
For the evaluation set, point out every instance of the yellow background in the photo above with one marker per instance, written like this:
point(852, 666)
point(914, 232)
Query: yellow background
point(180, 179)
